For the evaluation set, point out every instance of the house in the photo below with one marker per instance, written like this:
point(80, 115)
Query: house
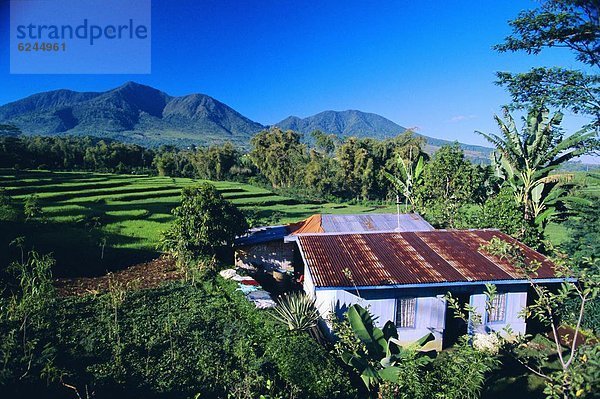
point(404, 276)
point(272, 248)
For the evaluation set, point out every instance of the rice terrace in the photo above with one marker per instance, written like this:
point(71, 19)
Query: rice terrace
point(113, 221)
point(284, 200)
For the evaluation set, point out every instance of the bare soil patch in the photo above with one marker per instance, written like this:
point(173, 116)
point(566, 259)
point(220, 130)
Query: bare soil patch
point(144, 275)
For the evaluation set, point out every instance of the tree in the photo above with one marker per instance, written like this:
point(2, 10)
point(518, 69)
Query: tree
point(501, 212)
point(383, 357)
point(584, 226)
point(570, 24)
point(449, 182)
point(577, 375)
point(324, 143)
point(204, 222)
point(278, 155)
point(319, 174)
point(526, 160)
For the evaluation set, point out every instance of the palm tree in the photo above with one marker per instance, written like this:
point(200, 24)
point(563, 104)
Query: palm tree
point(525, 160)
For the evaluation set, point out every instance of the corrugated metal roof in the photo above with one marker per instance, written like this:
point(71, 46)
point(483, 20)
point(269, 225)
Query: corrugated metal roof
point(397, 258)
point(259, 235)
point(337, 224)
point(360, 223)
point(310, 225)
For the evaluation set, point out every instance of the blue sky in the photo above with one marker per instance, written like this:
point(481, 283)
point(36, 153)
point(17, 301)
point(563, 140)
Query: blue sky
point(427, 65)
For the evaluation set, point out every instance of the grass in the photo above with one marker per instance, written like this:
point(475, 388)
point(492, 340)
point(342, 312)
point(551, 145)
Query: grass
point(126, 212)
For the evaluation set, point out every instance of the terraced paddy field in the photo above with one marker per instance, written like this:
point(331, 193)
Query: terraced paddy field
point(95, 222)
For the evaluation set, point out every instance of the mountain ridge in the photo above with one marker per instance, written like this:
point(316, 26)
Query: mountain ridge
point(145, 115)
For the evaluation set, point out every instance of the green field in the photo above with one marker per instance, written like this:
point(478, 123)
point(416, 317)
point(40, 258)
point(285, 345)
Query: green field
point(590, 185)
point(128, 212)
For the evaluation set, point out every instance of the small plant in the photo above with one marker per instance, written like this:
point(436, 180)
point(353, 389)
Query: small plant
point(384, 357)
point(296, 311)
point(32, 208)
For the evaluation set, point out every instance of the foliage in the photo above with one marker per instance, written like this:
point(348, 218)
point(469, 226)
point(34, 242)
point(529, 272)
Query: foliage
point(584, 226)
point(449, 182)
point(26, 315)
point(384, 356)
point(204, 222)
point(183, 340)
point(362, 164)
point(32, 208)
point(303, 364)
point(569, 312)
point(68, 153)
point(527, 158)
point(278, 155)
point(325, 143)
point(501, 212)
point(460, 373)
point(576, 369)
point(296, 311)
point(571, 24)
point(8, 210)
point(393, 371)
point(409, 176)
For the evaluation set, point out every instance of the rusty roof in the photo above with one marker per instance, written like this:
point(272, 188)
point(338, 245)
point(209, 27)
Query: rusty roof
point(359, 223)
point(401, 258)
point(310, 225)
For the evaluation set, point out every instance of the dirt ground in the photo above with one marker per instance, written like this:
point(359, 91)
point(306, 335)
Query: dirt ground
point(143, 275)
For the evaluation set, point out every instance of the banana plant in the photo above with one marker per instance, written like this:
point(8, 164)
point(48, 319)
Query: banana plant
point(410, 172)
point(384, 351)
point(526, 159)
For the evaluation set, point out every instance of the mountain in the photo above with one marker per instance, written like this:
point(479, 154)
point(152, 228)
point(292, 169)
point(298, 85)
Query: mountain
point(344, 124)
point(132, 113)
point(141, 114)
point(363, 124)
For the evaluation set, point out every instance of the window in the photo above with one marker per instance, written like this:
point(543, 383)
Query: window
point(497, 310)
point(406, 311)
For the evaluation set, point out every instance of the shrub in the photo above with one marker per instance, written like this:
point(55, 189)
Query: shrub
point(503, 213)
point(307, 367)
point(181, 340)
point(460, 373)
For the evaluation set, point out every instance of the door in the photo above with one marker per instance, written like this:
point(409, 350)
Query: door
point(455, 327)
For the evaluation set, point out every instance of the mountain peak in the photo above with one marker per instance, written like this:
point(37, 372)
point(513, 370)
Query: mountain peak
point(131, 112)
point(344, 123)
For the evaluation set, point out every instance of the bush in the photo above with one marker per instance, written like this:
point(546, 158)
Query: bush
point(569, 313)
point(180, 340)
point(502, 212)
point(306, 366)
point(460, 373)
point(9, 213)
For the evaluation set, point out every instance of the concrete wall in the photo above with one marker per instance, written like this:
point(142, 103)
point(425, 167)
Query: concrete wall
point(269, 255)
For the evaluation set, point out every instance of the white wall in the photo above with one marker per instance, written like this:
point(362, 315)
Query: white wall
point(430, 313)
point(515, 302)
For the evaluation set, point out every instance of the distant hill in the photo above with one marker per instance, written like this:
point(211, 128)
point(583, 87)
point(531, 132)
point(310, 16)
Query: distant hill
point(363, 124)
point(131, 113)
point(141, 114)
point(349, 123)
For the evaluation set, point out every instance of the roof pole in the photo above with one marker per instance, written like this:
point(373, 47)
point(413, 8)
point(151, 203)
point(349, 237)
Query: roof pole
point(398, 211)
